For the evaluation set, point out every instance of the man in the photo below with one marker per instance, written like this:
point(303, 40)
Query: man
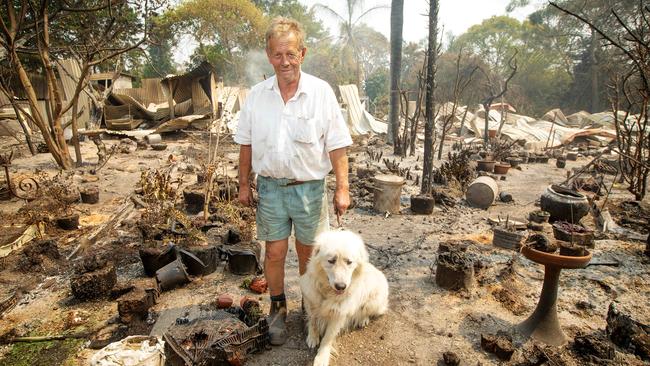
point(292, 134)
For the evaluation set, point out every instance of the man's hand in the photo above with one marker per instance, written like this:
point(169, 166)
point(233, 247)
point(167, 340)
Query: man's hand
point(246, 195)
point(341, 200)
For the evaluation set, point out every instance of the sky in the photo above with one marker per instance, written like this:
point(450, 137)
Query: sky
point(455, 16)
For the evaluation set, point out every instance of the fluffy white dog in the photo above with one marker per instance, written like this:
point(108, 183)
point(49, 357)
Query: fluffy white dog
point(340, 289)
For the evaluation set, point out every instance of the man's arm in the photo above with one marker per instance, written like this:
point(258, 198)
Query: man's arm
point(339, 159)
point(245, 162)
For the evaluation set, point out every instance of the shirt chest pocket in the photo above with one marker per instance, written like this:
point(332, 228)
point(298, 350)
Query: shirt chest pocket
point(304, 130)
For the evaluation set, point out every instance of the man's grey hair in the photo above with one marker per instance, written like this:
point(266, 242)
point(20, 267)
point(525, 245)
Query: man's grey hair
point(281, 26)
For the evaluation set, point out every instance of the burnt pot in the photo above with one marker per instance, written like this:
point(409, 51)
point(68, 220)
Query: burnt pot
point(564, 204)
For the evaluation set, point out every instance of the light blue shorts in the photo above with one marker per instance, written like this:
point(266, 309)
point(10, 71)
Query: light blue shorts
point(281, 206)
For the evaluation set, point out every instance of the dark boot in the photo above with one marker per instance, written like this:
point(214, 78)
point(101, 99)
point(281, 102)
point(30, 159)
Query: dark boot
point(276, 320)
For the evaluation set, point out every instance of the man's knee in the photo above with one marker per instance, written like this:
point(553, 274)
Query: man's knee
point(275, 253)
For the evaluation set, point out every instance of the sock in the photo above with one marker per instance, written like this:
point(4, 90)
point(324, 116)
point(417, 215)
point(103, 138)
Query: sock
point(280, 297)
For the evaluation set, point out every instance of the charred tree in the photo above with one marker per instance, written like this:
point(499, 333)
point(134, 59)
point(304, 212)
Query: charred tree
point(432, 56)
point(396, 22)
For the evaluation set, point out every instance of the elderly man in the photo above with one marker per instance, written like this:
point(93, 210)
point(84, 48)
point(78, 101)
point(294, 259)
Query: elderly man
point(292, 134)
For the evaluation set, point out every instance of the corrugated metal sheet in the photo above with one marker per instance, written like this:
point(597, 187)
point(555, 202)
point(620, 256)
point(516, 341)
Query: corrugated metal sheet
point(70, 73)
point(183, 84)
point(153, 92)
point(360, 122)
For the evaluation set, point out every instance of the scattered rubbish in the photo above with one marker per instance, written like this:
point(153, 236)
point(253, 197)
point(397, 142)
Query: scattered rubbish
point(482, 192)
point(158, 146)
point(541, 242)
point(256, 284)
point(507, 238)
point(450, 359)
point(626, 332)
point(16, 236)
point(485, 165)
point(564, 204)
point(218, 338)
point(95, 277)
point(387, 189)
point(224, 301)
point(153, 138)
point(501, 168)
point(593, 347)
point(454, 268)
point(539, 216)
point(422, 204)
point(505, 197)
point(243, 258)
point(8, 300)
point(154, 258)
point(136, 304)
point(571, 250)
point(68, 222)
point(132, 350)
point(499, 344)
point(89, 195)
point(172, 275)
point(573, 233)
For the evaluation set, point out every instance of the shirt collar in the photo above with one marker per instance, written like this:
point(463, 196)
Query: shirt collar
point(302, 85)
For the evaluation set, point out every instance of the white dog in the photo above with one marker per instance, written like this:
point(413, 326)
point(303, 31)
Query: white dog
point(340, 289)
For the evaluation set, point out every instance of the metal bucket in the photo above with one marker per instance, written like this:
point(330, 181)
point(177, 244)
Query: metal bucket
point(388, 189)
point(482, 192)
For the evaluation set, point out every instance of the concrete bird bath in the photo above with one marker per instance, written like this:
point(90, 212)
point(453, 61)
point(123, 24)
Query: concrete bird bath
point(543, 324)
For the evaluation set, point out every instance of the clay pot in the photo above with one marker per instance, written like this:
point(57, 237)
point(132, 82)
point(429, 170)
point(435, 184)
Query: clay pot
point(539, 216)
point(514, 161)
point(564, 204)
point(582, 236)
point(422, 204)
point(69, 222)
point(492, 133)
point(485, 165)
point(507, 239)
point(560, 162)
point(159, 147)
point(224, 301)
point(89, 195)
point(571, 250)
point(501, 168)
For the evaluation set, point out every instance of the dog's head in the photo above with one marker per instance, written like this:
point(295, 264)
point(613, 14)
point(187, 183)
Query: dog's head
point(340, 254)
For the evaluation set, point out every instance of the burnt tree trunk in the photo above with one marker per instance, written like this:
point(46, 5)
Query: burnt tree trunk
point(432, 51)
point(396, 23)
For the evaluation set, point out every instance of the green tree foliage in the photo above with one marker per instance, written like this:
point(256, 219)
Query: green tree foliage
point(293, 9)
point(224, 29)
point(590, 65)
point(543, 76)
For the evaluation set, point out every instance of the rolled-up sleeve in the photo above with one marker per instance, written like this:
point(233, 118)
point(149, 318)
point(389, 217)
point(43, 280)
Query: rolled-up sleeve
point(243, 134)
point(337, 134)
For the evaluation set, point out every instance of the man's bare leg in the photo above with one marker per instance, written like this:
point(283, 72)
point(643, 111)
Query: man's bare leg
point(274, 259)
point(304, 253)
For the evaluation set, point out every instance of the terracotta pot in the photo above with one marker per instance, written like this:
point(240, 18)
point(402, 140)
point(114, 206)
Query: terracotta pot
point(501, 168)
point(492, 133)
point(485, 165)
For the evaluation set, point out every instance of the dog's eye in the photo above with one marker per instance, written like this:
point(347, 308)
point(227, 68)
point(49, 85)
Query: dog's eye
point(331, 261)
point(348, 262)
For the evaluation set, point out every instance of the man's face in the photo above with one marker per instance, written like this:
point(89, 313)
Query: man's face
point(286, 57)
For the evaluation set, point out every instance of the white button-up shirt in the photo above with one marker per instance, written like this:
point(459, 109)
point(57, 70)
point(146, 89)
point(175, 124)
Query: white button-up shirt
point(292, 140)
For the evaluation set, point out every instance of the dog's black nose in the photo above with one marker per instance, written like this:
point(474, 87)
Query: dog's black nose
point(340, 286)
